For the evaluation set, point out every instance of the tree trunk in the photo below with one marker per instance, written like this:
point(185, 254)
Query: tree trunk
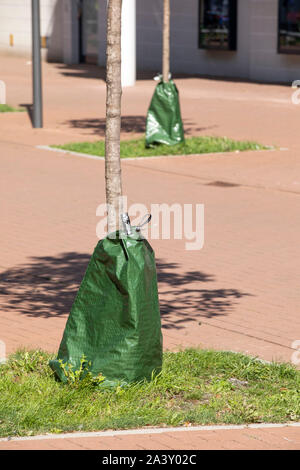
point(166, 41)
point(113, 115)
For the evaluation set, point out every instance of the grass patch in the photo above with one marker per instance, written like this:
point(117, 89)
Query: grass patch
point(195, 386)
point(5, 108)
point(192, 145)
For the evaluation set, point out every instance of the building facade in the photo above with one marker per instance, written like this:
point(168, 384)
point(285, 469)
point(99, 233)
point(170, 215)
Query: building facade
point(248, 39)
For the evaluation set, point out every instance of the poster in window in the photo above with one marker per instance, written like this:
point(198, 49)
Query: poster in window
point(289, 26)
point(218, 24)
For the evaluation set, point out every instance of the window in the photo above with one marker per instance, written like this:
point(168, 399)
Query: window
point(218, 24)
point(289, 27)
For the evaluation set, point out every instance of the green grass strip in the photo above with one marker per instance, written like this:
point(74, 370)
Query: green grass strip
point(5, 108)
point(198, 387)
point(192, 145)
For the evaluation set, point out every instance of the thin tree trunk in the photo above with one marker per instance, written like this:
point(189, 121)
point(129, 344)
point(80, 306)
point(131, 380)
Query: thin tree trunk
point(166, 41)
point(113, 115)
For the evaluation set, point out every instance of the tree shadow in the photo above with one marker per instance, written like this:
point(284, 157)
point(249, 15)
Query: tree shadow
point(129, 125)
point(91, 71)
point(94, 71)
point(46, 287)
point(183, 298)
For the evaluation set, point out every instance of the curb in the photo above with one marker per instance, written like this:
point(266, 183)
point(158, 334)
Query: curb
point(94, 157)
point(77, 435)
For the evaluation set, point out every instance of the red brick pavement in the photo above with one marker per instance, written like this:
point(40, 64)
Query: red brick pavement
point(279, 438)
point(242, 286)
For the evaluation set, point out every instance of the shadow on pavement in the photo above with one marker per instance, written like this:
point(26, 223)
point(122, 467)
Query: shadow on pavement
point(46, 287)
point(129, 124)
point(29, 109)
point(183, 297)
point(82, 71)
point(94, 71)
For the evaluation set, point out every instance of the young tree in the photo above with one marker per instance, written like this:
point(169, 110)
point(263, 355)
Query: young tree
point(166, 42)
point(113, 115)
point(118, 271)
point(164, 123)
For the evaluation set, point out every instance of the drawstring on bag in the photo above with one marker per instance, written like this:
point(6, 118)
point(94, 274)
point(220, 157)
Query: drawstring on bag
point(127, 225)
point(145, 220)
point(128, 229)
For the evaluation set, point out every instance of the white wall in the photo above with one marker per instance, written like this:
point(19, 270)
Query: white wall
point(256, 57)
point(69, 32)
point(15, 18)
point(265, 63)
point(186, 57)
point(149, 33)
point(55, 29)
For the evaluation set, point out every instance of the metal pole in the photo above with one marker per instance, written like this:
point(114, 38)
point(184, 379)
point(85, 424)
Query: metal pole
point(37, 118)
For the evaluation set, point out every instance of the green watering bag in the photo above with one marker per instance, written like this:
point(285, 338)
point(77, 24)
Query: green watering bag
point(164, 123)
point(115, 320)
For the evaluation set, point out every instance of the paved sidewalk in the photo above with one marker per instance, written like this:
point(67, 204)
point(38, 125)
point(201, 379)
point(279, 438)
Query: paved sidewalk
point(258, 437)
point(240, 292)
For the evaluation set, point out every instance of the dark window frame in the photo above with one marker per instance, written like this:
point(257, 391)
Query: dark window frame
point(280, 50)
point(233, 27)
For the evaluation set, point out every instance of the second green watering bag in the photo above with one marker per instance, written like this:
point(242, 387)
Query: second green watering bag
point(164, 123)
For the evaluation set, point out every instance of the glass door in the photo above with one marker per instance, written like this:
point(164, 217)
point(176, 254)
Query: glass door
point(88, 22)
point(289, 27)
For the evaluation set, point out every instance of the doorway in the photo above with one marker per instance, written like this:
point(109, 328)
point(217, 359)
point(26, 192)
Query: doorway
point(88, 31)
